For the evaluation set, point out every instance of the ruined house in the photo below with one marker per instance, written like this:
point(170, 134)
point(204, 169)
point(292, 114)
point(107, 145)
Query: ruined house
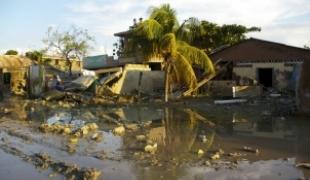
point(60, 63)
point(124, 77)
point(130, 73)
point(273, 66)
point(13, 70)
point(255, 62)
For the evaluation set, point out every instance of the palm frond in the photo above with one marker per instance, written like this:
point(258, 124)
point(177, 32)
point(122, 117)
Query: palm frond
point(184, 71)
point(196, 56)
point(168, 44)
point(166, 16)
point(149, 29)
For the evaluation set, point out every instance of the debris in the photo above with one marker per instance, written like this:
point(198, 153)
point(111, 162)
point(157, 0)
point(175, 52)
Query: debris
point(66, 130)
point(235, 154)
point(7, 111)
point(73, 140)
point(215, 156)
point(92, 126)
point(151, 148)
point(119, 131)
point(221, 151)
point(141, 137)
point(230, 101)
point(54, 95)
point(303, 165)
point(249, 149)
point(275, 95)
point(204, 139)
point(132, 127)
point(147, 123)
point(207, 163)
point(84, 130)
point(97, 136)
point(200, 152)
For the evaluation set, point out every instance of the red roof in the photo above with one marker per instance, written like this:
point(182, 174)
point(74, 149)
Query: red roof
point(256, 50)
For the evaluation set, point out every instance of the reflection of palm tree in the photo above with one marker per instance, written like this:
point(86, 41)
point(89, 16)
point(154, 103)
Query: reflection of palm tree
point(181, 131)
point(176, 139)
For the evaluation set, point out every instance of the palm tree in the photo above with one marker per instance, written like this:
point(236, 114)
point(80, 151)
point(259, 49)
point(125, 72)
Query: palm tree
point(161, 36)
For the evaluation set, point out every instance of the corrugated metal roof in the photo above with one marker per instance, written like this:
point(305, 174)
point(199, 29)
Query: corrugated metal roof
point(13, 61)
point(256, 50)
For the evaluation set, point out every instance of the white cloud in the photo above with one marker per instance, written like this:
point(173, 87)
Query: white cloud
point(110, 16)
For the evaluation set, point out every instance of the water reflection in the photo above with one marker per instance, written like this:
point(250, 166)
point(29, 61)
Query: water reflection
point(179, 133)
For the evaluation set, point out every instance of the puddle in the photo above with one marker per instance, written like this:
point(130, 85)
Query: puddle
point(179, 134)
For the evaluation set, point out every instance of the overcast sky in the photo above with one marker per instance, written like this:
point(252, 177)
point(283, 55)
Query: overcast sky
point(25, 22)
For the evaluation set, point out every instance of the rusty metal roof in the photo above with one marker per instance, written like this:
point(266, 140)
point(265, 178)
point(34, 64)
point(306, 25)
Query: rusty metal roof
point(256, 50)
point(14, 61)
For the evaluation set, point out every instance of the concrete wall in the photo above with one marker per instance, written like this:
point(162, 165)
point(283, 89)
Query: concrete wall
point(138, 77)
point(282, 72)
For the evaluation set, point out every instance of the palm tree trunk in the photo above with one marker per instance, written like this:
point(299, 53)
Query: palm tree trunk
point(167, 82)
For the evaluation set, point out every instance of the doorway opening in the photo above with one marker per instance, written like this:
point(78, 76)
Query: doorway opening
point(265, 76)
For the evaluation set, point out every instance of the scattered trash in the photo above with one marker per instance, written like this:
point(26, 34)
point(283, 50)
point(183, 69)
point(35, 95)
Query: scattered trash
point(215, 156)
point(207, 163)
point(200, 152)
point(303, 165)
point(132, 127)
point(230, 101)
point(97, 136)
point(141, 137)
point(249, 149)
point(151, 148)
point(119, 131)
point(235, 154)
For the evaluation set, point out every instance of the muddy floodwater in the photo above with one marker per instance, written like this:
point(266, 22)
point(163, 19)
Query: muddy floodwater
point(189, 141)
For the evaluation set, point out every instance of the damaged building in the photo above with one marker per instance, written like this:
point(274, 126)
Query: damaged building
point(264, 65)
point(129, 74)
point(13, 71)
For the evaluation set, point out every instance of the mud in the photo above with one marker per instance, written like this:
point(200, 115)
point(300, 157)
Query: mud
point(192, 140)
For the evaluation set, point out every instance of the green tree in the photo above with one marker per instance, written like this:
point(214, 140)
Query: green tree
point(214, 36)
point(73, 43)
point(35, 56)
point(161, 36)
point(306, 47)
point(11, 52)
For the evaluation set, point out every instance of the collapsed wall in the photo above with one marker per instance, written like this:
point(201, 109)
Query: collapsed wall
point(139, 78)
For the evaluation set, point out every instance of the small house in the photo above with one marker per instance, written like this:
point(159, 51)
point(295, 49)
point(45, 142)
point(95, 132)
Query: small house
point(272, 65)
point(13, 70)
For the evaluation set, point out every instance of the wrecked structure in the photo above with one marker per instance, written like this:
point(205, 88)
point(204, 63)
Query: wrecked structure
point(129, 74)
point(255, 62)
point(128, 78)
point(60, 63)
point(13, 70)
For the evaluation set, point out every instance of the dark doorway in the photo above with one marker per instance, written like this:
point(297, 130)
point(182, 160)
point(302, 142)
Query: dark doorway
point(6, 78)
point(265, 76)
point(155, 66)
